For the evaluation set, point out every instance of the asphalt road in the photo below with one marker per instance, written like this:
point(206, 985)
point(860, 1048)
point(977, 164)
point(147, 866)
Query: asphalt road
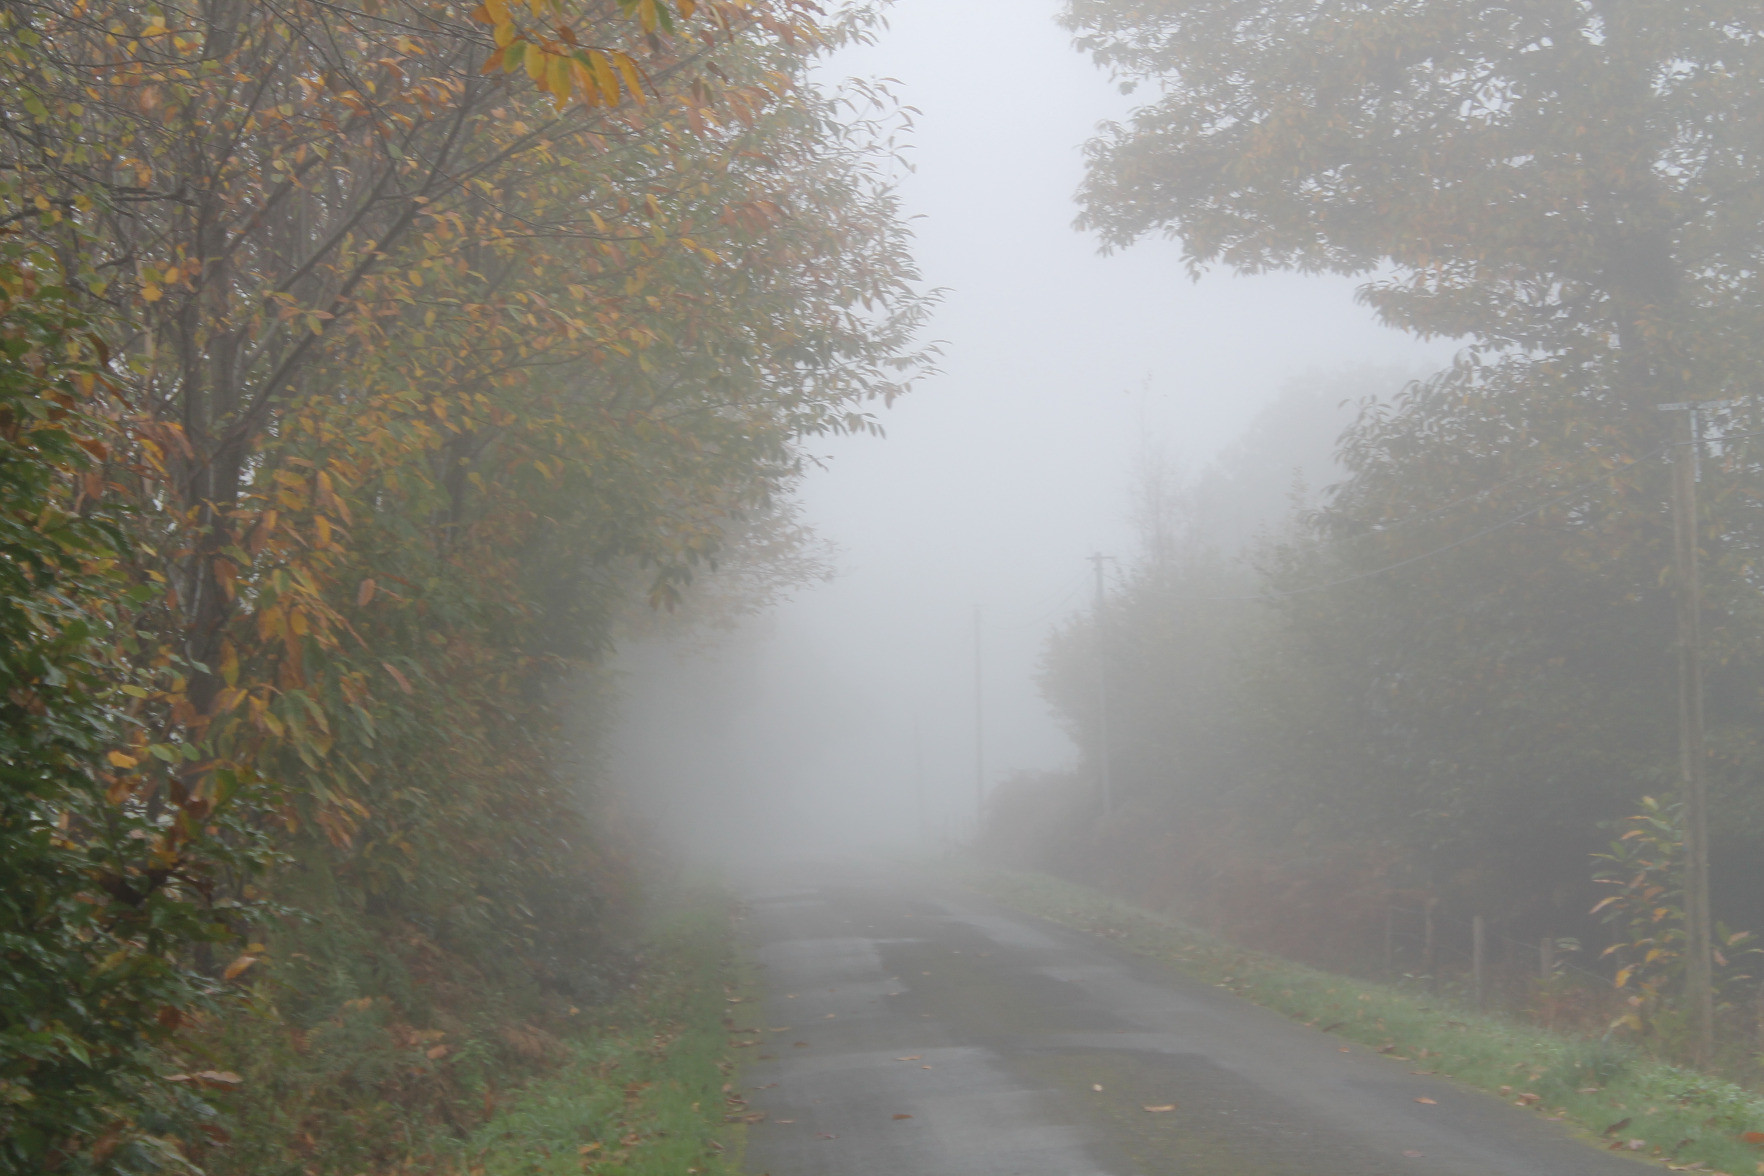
point(909, 1030)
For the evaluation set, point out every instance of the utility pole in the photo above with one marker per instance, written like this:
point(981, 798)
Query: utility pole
point(1692, 749)
point(979, 730)
point(1102, 690)
point(919, 782)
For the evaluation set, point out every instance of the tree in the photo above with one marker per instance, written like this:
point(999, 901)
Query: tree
point(1570, 185)
point(1567, 177)
point(421, 369)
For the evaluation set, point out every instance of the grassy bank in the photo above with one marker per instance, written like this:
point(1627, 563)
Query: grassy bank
point(511, 1082)
point(642, 1092)
point(1616, 1095)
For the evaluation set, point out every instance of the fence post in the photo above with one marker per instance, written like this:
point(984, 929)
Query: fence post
point(1389, 940)
point(1477, 961)
point(1427, 956)
point(1546, 957)
point(1760, 1016)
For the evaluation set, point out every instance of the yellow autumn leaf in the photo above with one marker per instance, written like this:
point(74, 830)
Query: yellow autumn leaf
point(239, 967)
point(604, 77)
point(585, 82)
point(633, 79)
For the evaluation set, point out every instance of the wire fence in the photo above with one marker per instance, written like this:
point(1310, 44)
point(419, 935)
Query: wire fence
point(1439, 938)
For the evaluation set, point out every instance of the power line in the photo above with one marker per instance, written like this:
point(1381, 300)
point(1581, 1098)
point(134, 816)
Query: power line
point(1590, 485)
point(1578, 492)
point(1514, 520)
point(1414, 559)
point(1423, 516)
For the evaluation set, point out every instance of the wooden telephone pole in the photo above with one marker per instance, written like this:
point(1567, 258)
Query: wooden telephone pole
point(1102, 690)
point(979, 731)
point(1692, 748)
point(919, 784)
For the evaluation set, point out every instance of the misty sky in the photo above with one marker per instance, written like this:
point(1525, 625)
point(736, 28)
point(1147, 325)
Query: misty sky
point(999, 477)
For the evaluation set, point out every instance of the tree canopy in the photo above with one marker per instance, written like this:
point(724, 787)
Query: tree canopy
point(365, 363)
point(1451, 674)
point(1567, 177)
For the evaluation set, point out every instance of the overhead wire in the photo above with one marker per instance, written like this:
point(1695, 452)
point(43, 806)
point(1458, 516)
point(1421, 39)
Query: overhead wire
point(1065, 600)
point(1578, 492)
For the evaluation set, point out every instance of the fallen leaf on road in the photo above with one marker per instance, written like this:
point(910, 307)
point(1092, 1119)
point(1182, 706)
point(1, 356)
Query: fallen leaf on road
point(924, 1067)
point(783, 1120)
point(1528, 1099)
point(830, 1016)
point(903, 1116)
point(1413, 1155)
point(1162, 1109)
point(1096, 1086)
point(910, 1058)
point(1427, 1101)
point(1343, 1049)
point(826, 1135)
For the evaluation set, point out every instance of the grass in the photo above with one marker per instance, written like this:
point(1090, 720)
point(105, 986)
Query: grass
point(1616, 1095)
point(494, 1081)
point(642, 1092)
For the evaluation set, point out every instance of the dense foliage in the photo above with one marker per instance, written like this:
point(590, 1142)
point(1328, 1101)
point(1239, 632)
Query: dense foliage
point(1449, 679)
point(363, 364)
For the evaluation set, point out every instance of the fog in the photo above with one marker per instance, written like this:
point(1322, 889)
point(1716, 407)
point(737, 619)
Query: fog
point(534, 536)
point(997, 478)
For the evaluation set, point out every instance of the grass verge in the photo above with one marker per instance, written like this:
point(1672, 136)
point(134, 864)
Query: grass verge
point(641, 1092)
point(1619, 1097)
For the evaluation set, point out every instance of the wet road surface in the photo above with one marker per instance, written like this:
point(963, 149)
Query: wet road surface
point(912, 1030)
